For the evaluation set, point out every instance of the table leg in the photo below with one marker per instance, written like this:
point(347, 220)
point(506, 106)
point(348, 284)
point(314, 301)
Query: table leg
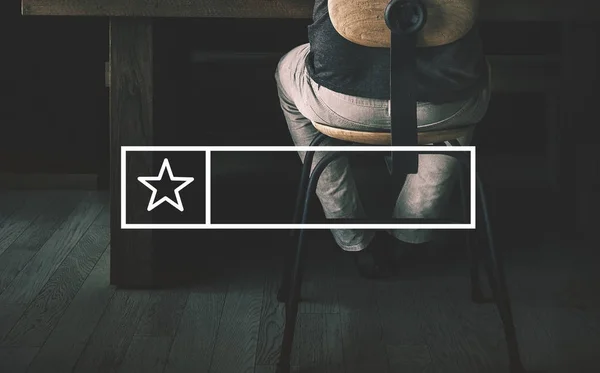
point(131, 123)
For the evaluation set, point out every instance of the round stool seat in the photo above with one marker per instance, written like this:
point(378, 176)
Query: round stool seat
point(385, 138)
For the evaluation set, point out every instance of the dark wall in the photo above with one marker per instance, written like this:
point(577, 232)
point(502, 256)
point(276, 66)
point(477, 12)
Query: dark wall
point(53, 104)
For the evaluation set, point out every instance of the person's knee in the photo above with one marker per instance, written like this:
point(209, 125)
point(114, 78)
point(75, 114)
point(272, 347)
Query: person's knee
point(437, 169)
point(282, 65)
point(289, 61)
point(278, 70)
point(282, 72)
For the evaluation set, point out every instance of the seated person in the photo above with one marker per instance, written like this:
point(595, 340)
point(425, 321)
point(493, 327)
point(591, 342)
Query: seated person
point(334, 81)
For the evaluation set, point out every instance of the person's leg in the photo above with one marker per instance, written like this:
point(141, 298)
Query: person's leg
point(427, 193)
point(336, 188)
point(424, 195)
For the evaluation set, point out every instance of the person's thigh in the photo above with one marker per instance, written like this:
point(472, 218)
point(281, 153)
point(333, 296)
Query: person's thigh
point(294, 88)
point(425, 193)
point(321, 104)
point(336, 187)
point(296, 96)
point(350, 112)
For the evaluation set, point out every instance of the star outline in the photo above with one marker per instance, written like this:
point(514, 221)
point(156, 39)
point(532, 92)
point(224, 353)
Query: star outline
point(152, 204)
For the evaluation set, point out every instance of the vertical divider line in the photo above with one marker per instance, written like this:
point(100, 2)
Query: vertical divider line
point(207, 192)
point(473, 189)
point(123, 193)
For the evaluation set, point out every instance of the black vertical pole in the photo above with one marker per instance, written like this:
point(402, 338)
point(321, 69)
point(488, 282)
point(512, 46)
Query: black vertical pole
point(404, 18)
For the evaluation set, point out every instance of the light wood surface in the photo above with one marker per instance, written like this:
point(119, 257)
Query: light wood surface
point(362, 21)
point(491, 10)
point(385, 138)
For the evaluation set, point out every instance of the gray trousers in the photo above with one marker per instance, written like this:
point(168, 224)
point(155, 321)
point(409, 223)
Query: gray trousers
point(424, 194)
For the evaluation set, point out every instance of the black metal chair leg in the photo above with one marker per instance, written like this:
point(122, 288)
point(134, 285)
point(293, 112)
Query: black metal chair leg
point(291, 307)
point(476, 292)
point(497, 281)
point(282, 293)
point(306, 166)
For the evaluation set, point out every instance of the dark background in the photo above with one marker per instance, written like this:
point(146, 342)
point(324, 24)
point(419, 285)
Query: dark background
point(54, 118)
point(54, 103)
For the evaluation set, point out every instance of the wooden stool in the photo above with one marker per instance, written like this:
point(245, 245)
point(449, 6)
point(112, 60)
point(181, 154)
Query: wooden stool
point(385, 138)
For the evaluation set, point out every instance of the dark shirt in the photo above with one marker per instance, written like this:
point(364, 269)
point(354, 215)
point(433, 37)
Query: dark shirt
point(444, 74)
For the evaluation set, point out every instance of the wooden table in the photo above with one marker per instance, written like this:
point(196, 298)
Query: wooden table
point(132, 88)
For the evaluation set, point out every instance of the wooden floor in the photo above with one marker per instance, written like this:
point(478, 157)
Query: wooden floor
point(59, 314)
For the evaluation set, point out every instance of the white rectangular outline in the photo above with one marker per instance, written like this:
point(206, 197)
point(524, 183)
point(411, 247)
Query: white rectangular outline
point(209, 149)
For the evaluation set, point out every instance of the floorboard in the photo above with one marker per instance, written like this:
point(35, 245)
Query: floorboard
point(26, 246)
point(17, 222)
point(146, 354)
point(59, 314)
point(46, 309)
point(9, 315)
point(37, 272)
point(16, 359)
point(319, 285)
point(272, 320)
point(67, 341)
point(318, 347)
point(236, 339)
point(265, 369)
point(10, 201)
point(361, 326)
point(194, 343)
point(108, 344)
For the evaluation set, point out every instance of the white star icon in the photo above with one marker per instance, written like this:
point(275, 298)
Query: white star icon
point(185, 182)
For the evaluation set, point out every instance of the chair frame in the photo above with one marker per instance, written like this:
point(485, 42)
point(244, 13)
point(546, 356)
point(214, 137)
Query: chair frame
point(404, 18)
point(290, 289)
